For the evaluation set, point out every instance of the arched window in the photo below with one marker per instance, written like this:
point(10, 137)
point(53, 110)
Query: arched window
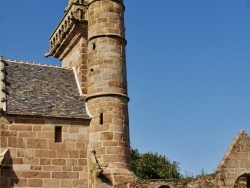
point(243, 181)
point(164, 186)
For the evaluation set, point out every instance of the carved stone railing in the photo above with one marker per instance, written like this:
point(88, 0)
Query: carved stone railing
point(75, 15)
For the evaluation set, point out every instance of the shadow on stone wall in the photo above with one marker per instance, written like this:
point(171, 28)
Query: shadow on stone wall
point(105, 179)
point(8, 177)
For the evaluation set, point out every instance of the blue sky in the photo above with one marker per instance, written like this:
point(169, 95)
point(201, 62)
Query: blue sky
point(188, 70)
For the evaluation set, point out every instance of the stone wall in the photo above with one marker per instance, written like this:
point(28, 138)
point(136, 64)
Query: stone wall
point(235, 163)
point(107, 98)
point(76, 57)
point(34, 159)
point(206, 181)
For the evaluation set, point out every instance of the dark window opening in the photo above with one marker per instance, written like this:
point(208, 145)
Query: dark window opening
point(93, 46)
point(101, 118)
point(58, 134)
point(164, 186)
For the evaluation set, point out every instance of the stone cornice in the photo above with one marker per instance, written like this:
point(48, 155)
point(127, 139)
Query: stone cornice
point(119, 37)
point(107, 94)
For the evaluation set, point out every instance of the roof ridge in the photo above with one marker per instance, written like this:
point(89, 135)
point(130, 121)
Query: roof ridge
point(33, 63)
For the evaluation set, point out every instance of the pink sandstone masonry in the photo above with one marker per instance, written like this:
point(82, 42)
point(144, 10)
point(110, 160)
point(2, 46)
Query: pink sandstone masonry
point(35, 160)
point(55, 141)
point(69, 126)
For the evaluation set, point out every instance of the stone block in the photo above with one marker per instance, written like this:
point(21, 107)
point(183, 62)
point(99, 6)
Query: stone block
point(73, 154)
point(110, 143)
point(16, 127)
point(45, 161)
point(124, 144)
point(114, 150)
point(21, 167)
point(101, 150)
point(35, 183)
point(70, 145)
point(36, 128)
point(3, 142)
point(66, 183)
point(73, 129)
point(65, 175)
point(77, 168)
point(51, 168)
point(83, 154)
point(100, 128)
point(31, 161)
point(8, 133)
point(67, 168)
point(82, 162)
point(106, 136)
point(80, 145)
point(17, 160)
point(51, 183)
point(45, 153)
point(16, 142)
point(35, 168)
point(71, 162)
point(48, 128)
point(37, 143)
point(46, 135)
point(35, 174)
point(62, 154)
point(24, 134)
point(61, 162)
point(56, 145)
point(22, 183)
point(110, 158)
point(80, 183)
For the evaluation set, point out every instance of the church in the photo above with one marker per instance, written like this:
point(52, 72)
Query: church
point(68, 126)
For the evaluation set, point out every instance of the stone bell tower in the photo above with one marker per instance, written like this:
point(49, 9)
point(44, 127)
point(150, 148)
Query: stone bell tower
point(91, 40)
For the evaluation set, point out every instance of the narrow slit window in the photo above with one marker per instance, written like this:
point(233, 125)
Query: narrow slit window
point(93, 46)
point(101, 118)
point(58, 134)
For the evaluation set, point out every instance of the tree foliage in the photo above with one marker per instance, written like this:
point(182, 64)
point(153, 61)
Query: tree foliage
point(153, 166)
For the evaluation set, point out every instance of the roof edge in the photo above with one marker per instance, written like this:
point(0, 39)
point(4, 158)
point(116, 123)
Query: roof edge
point(241, 133)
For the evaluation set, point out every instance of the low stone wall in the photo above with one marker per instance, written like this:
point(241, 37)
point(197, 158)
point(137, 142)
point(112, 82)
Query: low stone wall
point(206, 181)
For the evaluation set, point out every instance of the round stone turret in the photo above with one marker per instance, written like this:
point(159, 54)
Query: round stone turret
point(107, 93)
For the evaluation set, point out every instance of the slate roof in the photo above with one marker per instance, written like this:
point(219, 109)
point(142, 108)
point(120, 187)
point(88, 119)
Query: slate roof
point(43, 91)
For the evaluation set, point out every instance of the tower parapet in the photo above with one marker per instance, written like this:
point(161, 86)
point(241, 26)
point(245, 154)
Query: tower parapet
point(68, 42)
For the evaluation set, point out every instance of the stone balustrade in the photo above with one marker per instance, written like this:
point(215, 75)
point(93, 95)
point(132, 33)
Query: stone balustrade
point(75, 14)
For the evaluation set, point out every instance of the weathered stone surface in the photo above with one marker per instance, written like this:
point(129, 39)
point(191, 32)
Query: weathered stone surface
point(39, 158)
point(68, 126)
point(235, 163)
